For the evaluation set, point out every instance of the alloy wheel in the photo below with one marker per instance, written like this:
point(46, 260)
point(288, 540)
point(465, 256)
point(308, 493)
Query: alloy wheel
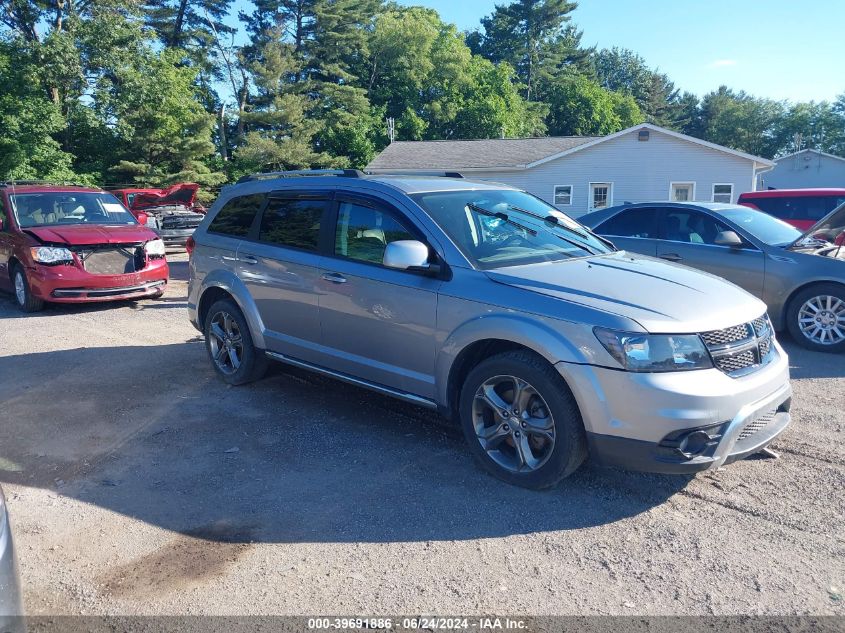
point(226, 342)
point(513, 424)
point(20, 288)
point(822, 320)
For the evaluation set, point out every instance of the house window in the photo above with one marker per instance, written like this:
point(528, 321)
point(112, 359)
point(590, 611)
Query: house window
point(682, 191)
point(601, 195)
point(563, 195)
point(723, 193)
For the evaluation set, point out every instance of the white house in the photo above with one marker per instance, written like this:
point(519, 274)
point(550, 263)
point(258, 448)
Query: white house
point(583, 173)
point(808, 168)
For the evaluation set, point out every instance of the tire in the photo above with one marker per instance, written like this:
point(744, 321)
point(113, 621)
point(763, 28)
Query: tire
point(24, 298)
point(816, 318)
point(225, 321)
point(553, 456)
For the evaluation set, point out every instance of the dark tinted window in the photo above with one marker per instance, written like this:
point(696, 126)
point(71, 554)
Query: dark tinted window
point(293, 222)
point(363, 233)
point(631, 223)
point(797, 207)
point(236, 216)
point(3, 217)
point(692, 227)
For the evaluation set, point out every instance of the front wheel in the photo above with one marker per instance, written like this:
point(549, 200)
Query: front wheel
point(23, 293)
point(229, 344)
point(521, 420)
point(816, 318)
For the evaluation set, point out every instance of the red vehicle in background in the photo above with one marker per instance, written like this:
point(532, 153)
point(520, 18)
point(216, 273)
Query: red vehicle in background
point(75, 244)
point(801, 208)
point(173, 213)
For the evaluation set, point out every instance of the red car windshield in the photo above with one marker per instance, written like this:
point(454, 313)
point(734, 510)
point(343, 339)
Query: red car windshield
point(84, 207)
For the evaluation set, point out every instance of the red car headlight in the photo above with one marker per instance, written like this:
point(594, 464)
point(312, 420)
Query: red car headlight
point(51, 254)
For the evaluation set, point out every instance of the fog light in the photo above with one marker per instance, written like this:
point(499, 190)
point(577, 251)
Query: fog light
point(694, 444)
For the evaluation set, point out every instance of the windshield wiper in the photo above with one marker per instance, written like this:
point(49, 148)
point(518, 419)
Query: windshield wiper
point(547, 218)
point(499, 215)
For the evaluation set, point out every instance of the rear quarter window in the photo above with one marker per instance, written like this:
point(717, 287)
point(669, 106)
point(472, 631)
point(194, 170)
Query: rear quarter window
point(631, 223)
point(237, 215)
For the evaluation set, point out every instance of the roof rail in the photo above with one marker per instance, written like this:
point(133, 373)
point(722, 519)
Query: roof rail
point(346, 173)
point(22, 183)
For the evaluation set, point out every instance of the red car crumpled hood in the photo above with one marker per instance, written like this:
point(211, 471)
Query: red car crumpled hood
point(184, 194)
point(82, 234)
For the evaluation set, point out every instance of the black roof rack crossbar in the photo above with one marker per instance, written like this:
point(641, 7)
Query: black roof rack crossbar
point(23, 183)
point(346, 173)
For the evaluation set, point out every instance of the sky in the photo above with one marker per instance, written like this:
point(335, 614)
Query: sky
point(781, 49)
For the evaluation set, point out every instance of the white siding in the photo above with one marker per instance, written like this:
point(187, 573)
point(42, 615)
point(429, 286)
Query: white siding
point(641, 171)
point(805, 170)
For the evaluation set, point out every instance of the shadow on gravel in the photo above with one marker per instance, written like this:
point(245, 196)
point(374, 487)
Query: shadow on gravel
point(150, 432)
point(806, 364)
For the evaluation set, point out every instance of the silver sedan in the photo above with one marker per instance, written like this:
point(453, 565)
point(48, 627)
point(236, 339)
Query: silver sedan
point(800, 276)
point(10, 594)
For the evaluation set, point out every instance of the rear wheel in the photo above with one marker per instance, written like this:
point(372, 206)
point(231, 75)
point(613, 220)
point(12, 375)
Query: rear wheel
point(23, 293)
point(816, 318)
point(521, 421)
point(229, 345)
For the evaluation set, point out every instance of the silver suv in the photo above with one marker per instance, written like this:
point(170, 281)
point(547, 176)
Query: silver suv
point(483, 302)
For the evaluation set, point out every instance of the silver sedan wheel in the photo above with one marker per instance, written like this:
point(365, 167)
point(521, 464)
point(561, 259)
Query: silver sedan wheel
point(20, 288)
point(226, 342)
point(513, 423)
point(822, 320)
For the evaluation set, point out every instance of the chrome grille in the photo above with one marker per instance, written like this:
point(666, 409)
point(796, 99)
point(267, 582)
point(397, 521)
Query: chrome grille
point(736, 362)
point(740, 349)
point(726, 336)
point(756, 425)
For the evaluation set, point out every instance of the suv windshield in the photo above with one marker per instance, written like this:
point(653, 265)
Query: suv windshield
point(764, 227)
point(503, 227)
point(83, 207)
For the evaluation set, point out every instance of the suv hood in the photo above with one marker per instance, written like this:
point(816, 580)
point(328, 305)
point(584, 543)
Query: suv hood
point(85, 234)
point(184, 195)
point(660, 296)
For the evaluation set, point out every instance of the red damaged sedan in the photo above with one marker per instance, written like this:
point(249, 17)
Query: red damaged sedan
point(72, 244)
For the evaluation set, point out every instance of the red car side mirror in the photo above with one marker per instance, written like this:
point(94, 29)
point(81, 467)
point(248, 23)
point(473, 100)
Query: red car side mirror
point(2, 226)
point(141, 217)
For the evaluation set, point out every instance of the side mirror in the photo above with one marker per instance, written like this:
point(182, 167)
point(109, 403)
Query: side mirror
point(141, 217)
point(2, 226)
point(728, 238)
point(408, 255)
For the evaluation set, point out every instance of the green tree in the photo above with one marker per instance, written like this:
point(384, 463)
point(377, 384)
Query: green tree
point(743, 122)
point(580, 106)
point(534, 37)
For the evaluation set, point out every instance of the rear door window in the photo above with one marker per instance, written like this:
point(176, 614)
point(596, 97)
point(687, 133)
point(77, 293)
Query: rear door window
point(237, 215)
point(293, 222)
point(640, 222)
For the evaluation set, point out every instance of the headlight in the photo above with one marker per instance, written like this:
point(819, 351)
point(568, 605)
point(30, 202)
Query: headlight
point(155, 248)
point(655, 352)
point(51, 254)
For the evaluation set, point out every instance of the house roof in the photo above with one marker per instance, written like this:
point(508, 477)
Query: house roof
point(511, 153)
point(811, 151)
point(491, 154)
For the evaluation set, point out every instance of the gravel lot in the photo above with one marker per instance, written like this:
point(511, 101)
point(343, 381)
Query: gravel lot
point(138, 483)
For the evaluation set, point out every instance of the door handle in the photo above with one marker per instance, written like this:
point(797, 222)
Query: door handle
point(248, 259)
point(672, 257)
point(335, 278)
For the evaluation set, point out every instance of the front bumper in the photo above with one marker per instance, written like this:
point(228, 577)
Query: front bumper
point(680, 422)
point(70, 284)
point(175, 237)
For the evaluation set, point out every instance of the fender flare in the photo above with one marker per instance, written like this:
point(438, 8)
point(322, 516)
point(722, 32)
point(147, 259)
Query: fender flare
point(519, 329)
point(230, 282)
